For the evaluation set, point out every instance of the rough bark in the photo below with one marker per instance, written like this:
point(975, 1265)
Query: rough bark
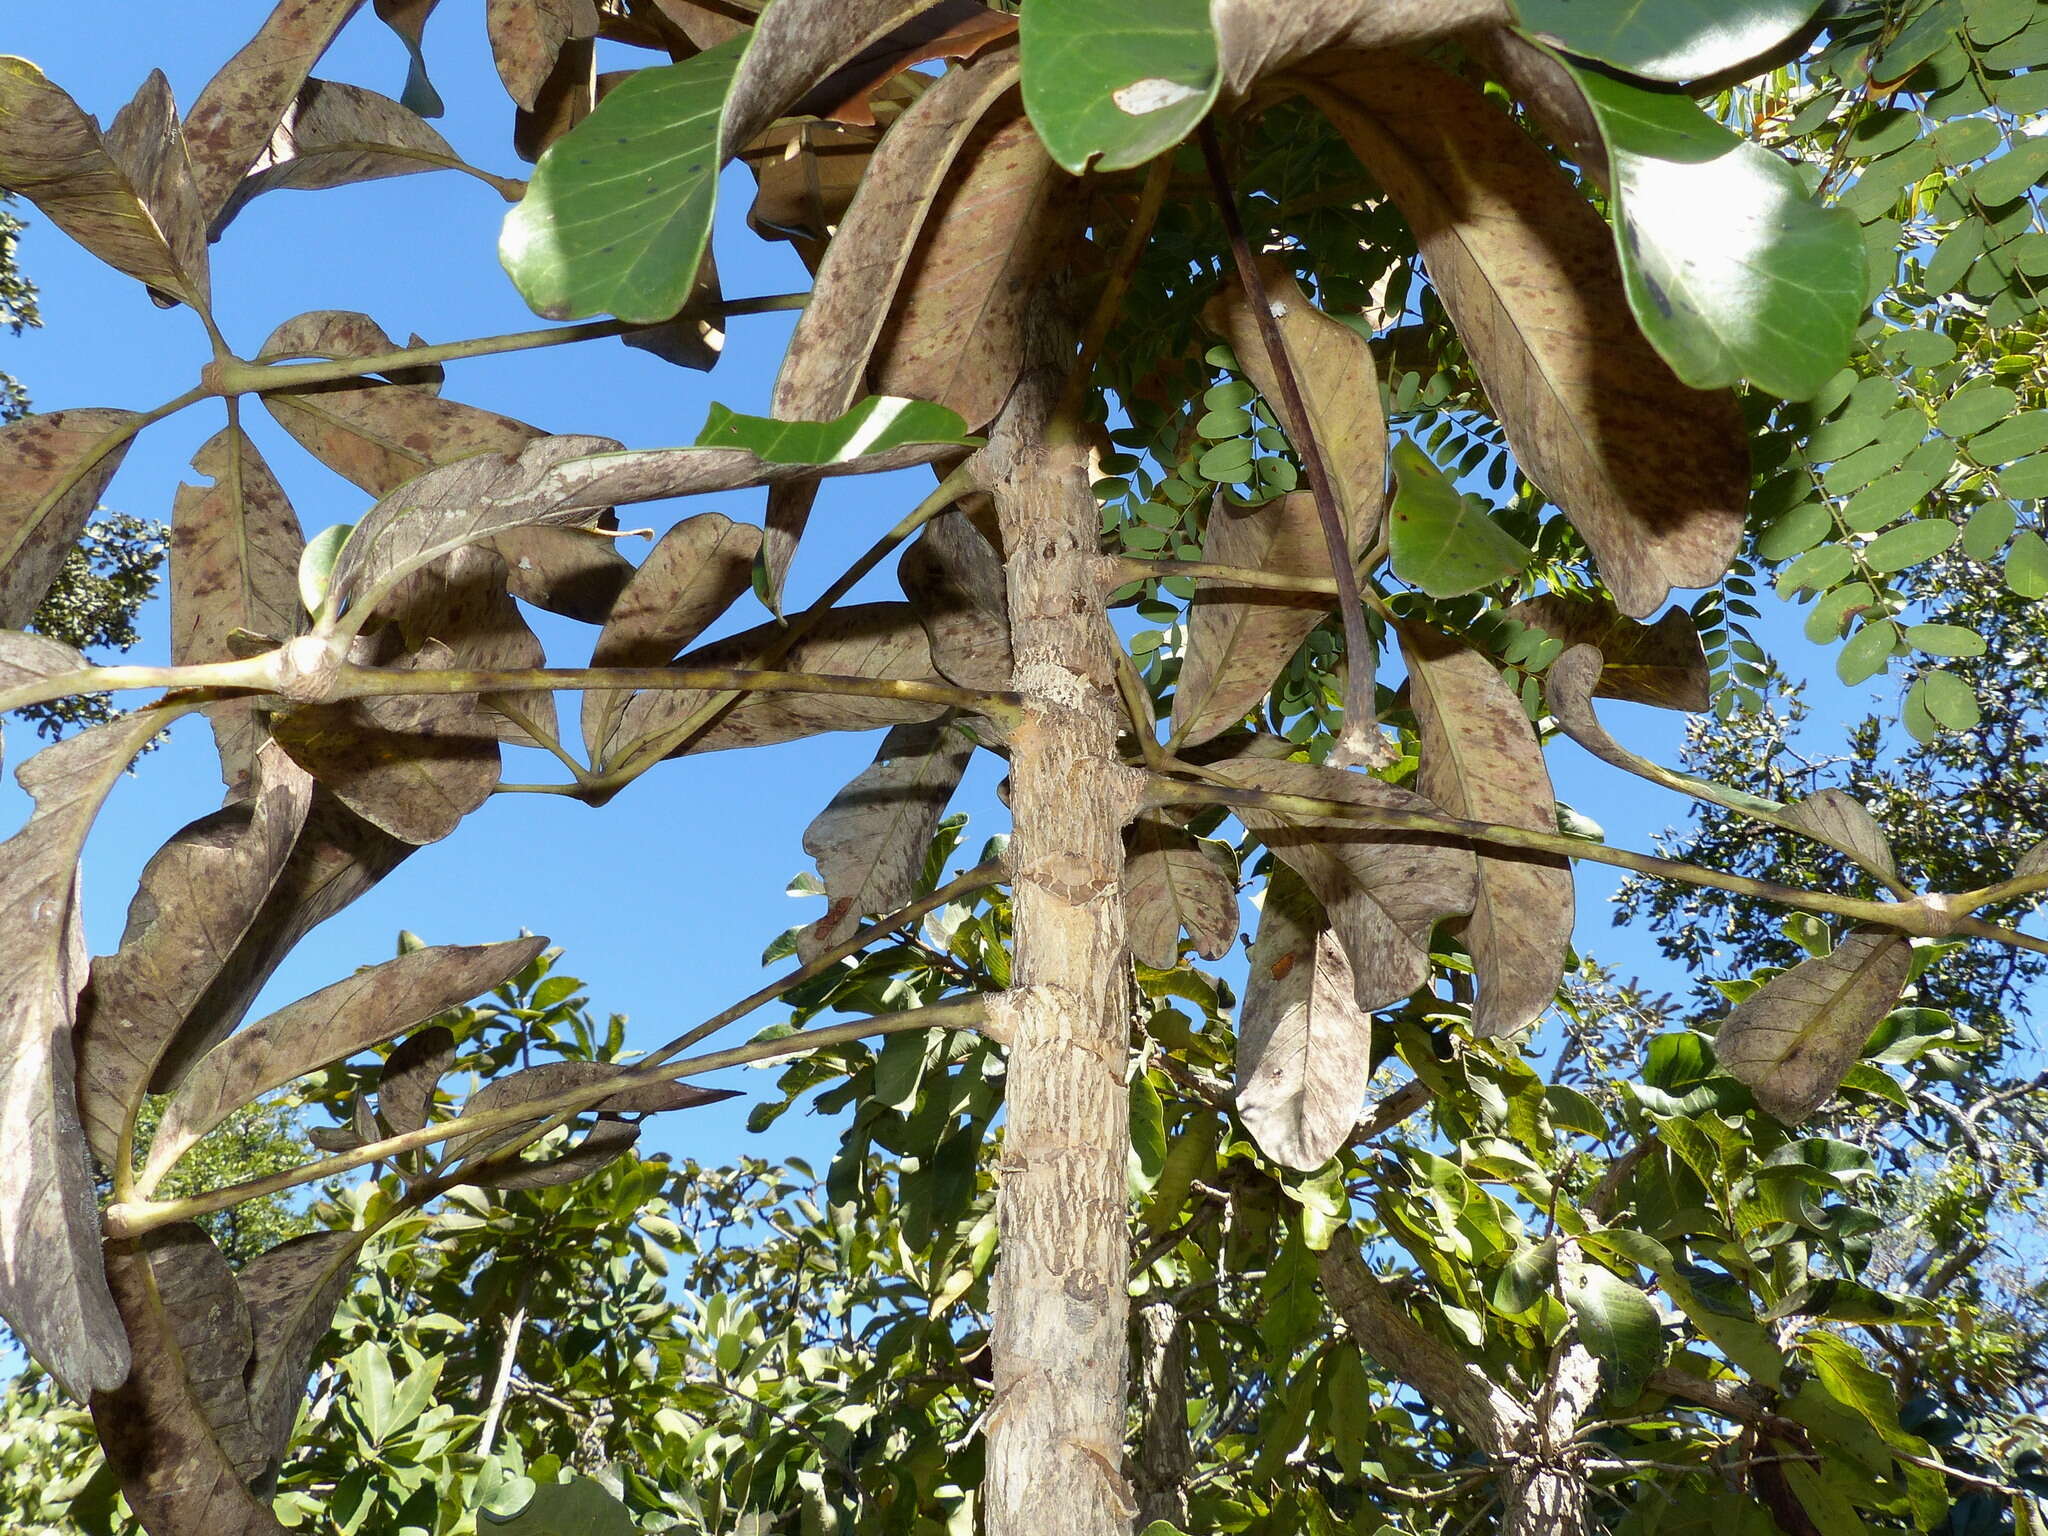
point(1543, 1492)
point(1165, 1457)
point(1056, 1428)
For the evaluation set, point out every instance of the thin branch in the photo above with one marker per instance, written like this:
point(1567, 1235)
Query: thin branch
point(1120, 569)
point(134, 1217)
point(1111, 300)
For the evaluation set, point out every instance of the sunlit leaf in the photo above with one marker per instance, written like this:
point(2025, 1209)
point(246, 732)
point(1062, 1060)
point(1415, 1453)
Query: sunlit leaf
point(1113, 85)
point(1444, 542)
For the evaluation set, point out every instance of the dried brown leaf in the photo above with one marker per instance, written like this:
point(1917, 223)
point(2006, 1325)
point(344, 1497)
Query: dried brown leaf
point(1481, 761)
point(292, 1291)
point(412, 1075)
point(50, 482)
point(605, 1142)
point(531, 1085)
point(1304, 1046)
point(696, 571)
point(1384, 891)
point(1654, 475)
point(954, 580)
point(52, 1291)
point(53, 154)
point(948, 29)
point(527, 37)
point(199, 895)
point(806, 174)
point(1794, 1041)
point(330, 1025)
point(567, 96)
point(1173, 881)
point(1660, 663)
point(1841, 821)
point(695, 337)
point(870, 841)
point(180, 1432)
point(149, 146)
point(876, 640)
point(235, 548)
point(235, 116)
point(461, 601)
point(27, 658)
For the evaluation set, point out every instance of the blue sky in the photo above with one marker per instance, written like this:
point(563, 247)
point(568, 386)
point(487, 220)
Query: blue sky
point(663, 899)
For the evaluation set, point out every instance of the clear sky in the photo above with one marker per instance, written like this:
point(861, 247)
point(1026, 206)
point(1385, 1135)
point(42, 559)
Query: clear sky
point(665, 898)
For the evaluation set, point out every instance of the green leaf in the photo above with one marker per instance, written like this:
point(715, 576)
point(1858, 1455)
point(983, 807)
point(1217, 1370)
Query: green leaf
point(1148, 1135)
point(618, 213)
point(1868, 652)
point(1675, 40)
point(878, 424)
point(1975, 408)
point(579, 1508)
point(1441, 541)
point(1522, 1281)
point(1949, 700)
point(1988, 529)
point(1617, 1322)
point(316, 564)
point(1733, 272)
point(1945, 640)
point(2026, 565)
point(1119, 81)
point(1909, 544)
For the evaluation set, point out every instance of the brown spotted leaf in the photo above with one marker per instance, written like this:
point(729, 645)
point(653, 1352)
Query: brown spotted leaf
point(532, 1085)
point(412, 1076)
point(1794, 1041)
point(870, 841)
point(1384, 890)
point(53, 154)
point(527, 37)
point(181, 1433)
point(52, 472)
point(696, 571)
point(330, 1025)
point(567, 96)
point(235, 548)
point(1654, 475)
point(235, 116)
point(1172, 881)
point(408, 18)
point(462, 602)
point(198, 897)
point(52, 1291)
point(1841, 821)
point(1304, 1045)
point(955, 335)
point(954, 579)
point(1481, 761)
point(27, 658)
point(148, 144)
point(825, 365)
point(1661, 663)
point(292, 1291)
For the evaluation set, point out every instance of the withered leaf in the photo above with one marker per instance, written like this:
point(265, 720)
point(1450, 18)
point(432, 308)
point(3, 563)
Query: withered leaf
point(27, 658)
point(1383, 890)
point(1004, 216)
point(1841, 821)
point(330, 1025)
point(694, 573)
point(180, 1431)
point(408, 18)
point(1339, 382)
point(148, 144)
point(806, 174)
point(1653, 474)
point(695, 338)
point(875, 640)
point(1481, 761)
point(1793, 1042)
point(1172, 881)
point(334, 135)
point(292, 1291)
point(1660, 663)
point(535, 1085)
point(605, 1142)
point(197, 898)
point(235, 115)
point(412, 1075)
point(52, 1291)
point(1304, 1046)
point(954, 580)
point(234, 557)
point(461, 600)
point(412, 765)
point(52, 473)
point(870, 841)
point(53, 154)
point(338, 856)
point(824, 367)
point(947, 29)
point(527, 37)
point(568, 94)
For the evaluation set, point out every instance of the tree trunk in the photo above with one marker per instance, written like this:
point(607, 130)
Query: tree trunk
point(1164, 1456)
point(1543, 1492)
point(1056, 1426)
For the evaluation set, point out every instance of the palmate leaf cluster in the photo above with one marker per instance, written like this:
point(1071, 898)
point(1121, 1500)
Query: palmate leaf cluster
point(1542, 273)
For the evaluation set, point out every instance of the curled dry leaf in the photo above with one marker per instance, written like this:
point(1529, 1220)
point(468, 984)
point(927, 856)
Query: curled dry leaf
point(870, 841)
point(871, 640)
point(1660, 663)
point(198, 896)
point(954, 580)
point(696, 571)
point(1481, 761)
point(292, 1291)
point(527, 37)
point(235, 116)
point(1003, 217)
point(53, 469)
point(1841, 821)
point(947, 29)
point(1384, 891)
point(52, 1291)
point(826, 362)
point(235, 548)
point(330, 1025)
point(1172, 881)
point(806, 174)
point(1794, 1041)
point(1304, 1045)
point(53, 154)
point(181, 1432)
point(412, 1075)
point(1653, 474)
